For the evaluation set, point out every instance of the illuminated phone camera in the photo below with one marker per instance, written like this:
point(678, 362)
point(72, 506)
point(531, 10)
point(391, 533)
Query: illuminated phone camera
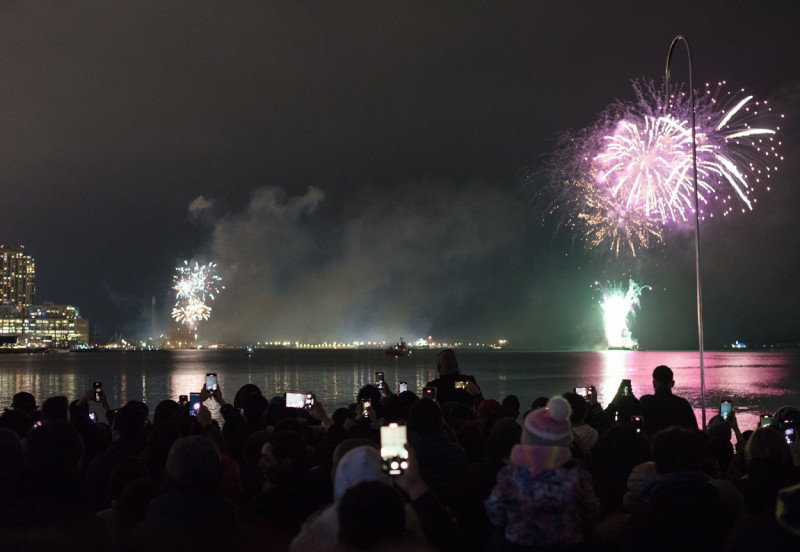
point(393, 448)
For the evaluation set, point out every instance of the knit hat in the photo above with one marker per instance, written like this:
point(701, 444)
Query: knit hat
point(549, 426)
point(357, 465)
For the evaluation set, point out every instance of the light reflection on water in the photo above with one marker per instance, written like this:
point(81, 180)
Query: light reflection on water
point(755, 381)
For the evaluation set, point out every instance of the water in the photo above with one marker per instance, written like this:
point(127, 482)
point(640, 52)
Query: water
point(756, 382)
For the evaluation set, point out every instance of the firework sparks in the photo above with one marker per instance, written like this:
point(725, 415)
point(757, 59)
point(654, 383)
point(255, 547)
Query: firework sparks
point(618, 307)
point(621, 182)
point(191, 312)
point(194, 285)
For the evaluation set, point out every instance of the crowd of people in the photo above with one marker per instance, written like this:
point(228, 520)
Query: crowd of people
point(567, 474)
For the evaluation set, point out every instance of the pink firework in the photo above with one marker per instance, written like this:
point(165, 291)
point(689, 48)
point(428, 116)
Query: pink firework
point(633, 172)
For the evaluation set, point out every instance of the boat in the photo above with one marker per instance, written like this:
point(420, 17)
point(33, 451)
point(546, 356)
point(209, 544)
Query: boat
point(499, 345)
point(633, 347)
point(400, 349)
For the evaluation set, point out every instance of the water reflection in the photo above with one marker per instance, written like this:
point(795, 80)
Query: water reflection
point(755, 382)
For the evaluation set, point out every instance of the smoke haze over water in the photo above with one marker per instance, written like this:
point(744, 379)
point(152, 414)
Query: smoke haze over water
point(376, 266)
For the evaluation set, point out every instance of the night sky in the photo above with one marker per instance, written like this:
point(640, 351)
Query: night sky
point(357, 170)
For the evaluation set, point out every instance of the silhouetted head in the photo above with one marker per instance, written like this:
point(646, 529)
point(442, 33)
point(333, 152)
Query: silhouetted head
point(447, 363)
point(55, 408)
point(663, 377)
point(166, 410)
point(53, 452)
point(424, 416)
point(766, 444)
point(194, 462)
point(244, 391)
point(579, 409)
point(511, 406)
point(371, 515)
point(24, 402)
point(679, 449)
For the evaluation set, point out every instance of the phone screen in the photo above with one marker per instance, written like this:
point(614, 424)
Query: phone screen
point(379, 380)
point(582, 391)
point(626, 387)
point(295, 400)
point(403, 386)
point(365, 406)
point(765, 420)
point(788, 433)
point(211, 383)
point(194, 403)
point(393, 449)
point(725, 409)
point(461, 384)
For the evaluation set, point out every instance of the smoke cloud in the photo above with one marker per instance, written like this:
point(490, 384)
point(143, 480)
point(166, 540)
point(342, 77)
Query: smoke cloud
point(408, 261)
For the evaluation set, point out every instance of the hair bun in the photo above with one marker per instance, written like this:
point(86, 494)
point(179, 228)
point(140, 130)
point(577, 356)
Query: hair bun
point(559, 408)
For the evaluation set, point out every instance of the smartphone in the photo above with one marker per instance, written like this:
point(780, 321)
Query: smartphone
point(462, 384)
point(429, 393)
point(627, 389)
point(302, 401)
point(365, 406)
point(183, 400)
point(765, 420)
point(393, 448)
point(725, 409)
point(636, 422)
point(403, 386)
point(380, 381)
point(581, 391)
point(93, 417)
point(194, 403)
point(98, 388)
point(788, 431)
point(211, 383)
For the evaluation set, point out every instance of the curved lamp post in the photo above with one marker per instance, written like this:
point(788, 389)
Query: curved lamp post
point(681, 38)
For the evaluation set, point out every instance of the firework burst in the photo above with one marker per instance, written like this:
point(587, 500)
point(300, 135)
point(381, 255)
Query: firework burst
point(191, 312)
point(194, 285)
point(621, 182)
point(618, 307)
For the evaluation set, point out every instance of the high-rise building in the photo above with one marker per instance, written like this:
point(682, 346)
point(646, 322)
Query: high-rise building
point(17, 276)
point(22, 322)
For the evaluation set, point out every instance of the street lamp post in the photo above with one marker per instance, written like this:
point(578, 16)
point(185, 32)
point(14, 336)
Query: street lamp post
point(681, 38)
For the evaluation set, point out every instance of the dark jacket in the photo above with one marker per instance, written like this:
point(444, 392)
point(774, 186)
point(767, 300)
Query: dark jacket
point(683, 511)
point(663, 409)
point(443, 465)
point(446, 390)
